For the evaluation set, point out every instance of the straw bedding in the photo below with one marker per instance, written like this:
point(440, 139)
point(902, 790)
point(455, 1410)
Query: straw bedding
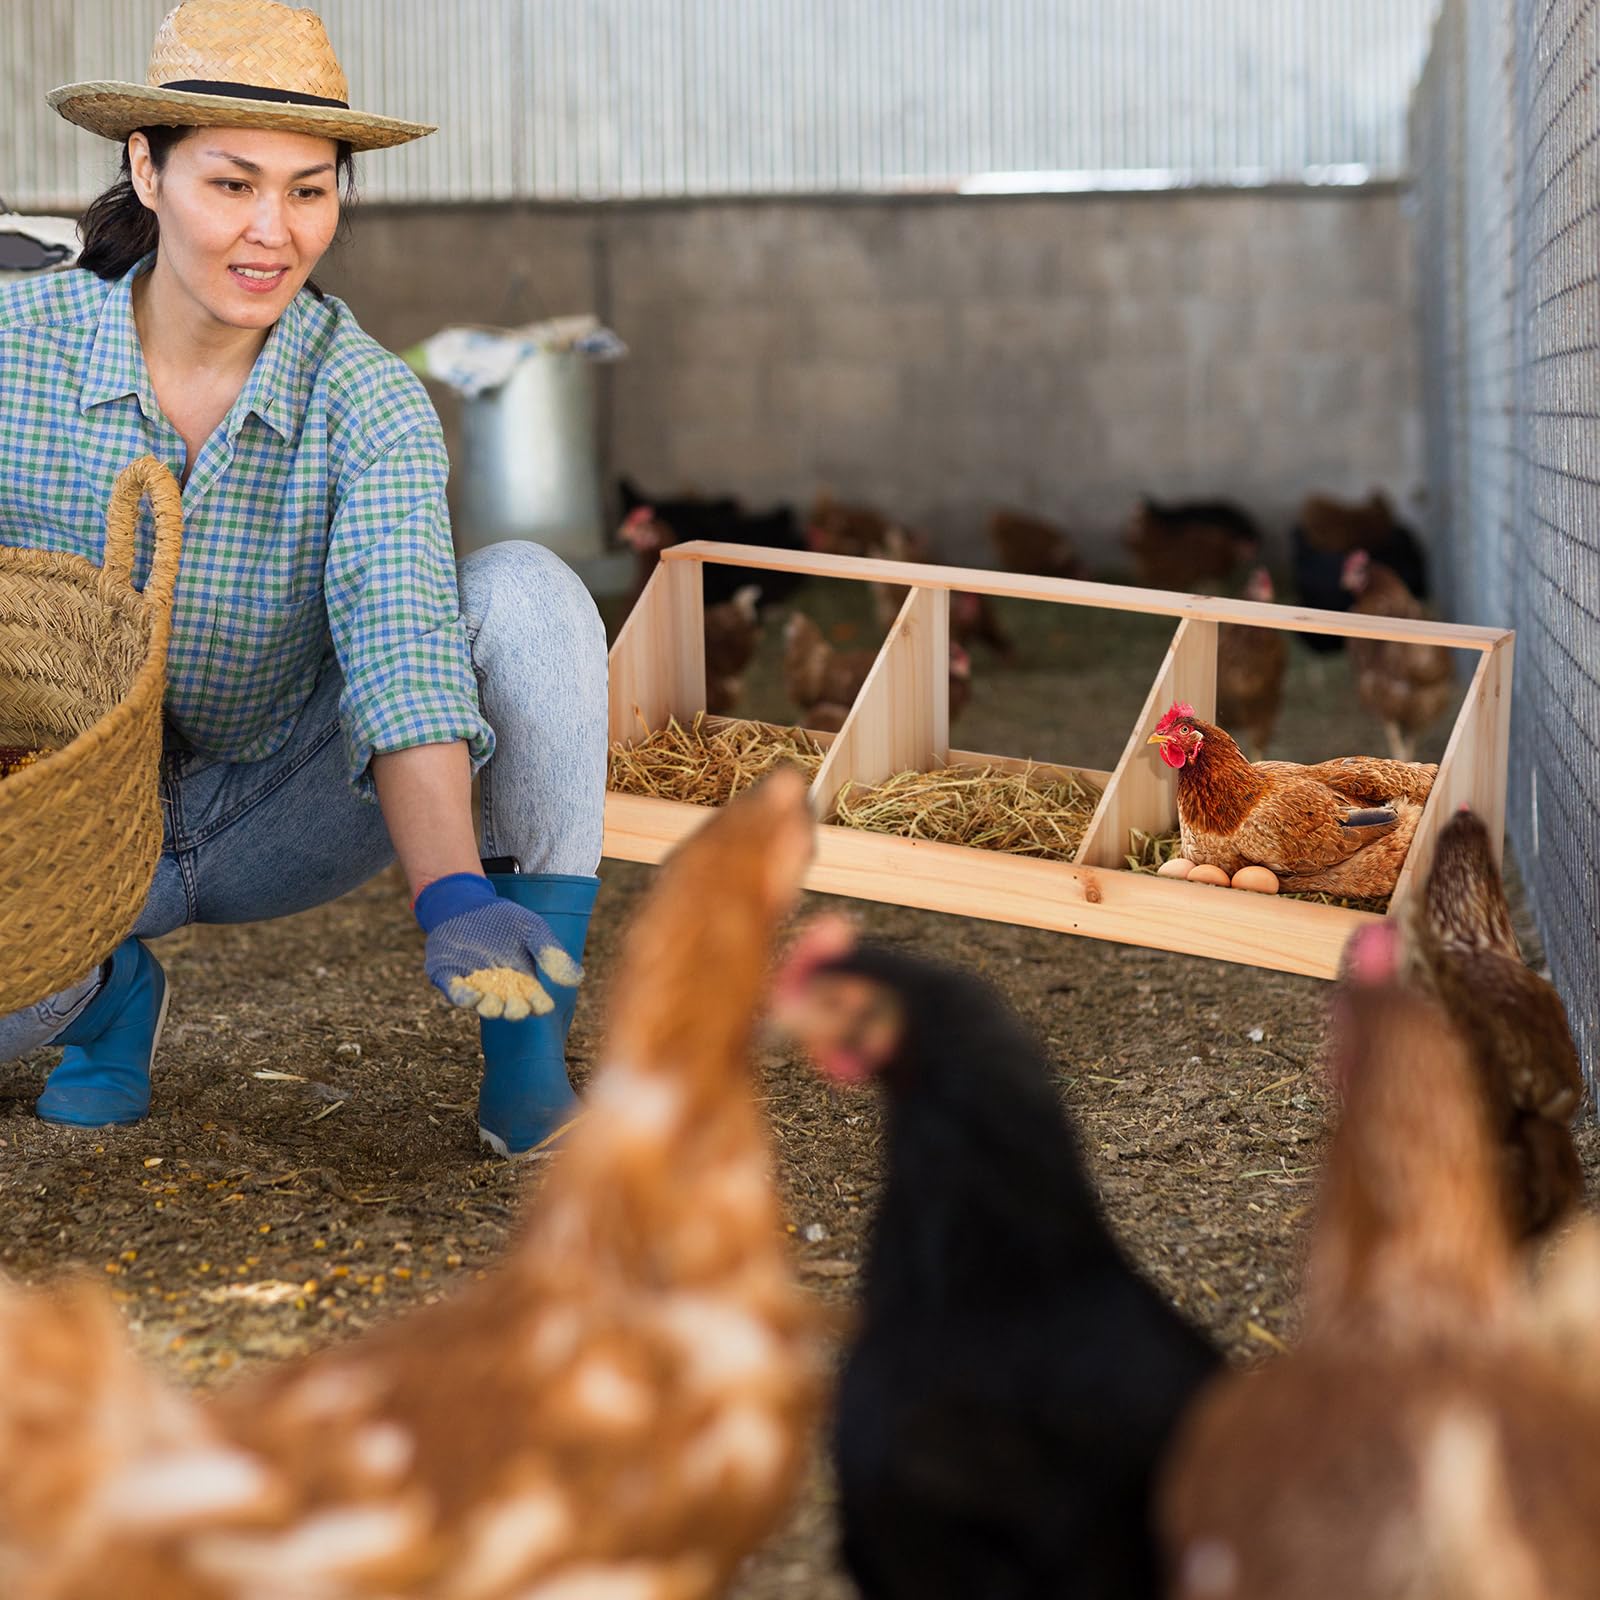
point(707, 765)
point(1028, 813)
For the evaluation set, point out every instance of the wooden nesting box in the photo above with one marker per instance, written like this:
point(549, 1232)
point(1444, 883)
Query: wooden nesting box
point(900, 722)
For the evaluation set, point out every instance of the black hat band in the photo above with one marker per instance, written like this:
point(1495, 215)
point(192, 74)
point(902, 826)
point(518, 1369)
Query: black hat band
point(250, 91)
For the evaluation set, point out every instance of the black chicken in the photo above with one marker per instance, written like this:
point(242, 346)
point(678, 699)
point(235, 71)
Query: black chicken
point(1014, 1382)
point(1325, 534)
point(725, 521)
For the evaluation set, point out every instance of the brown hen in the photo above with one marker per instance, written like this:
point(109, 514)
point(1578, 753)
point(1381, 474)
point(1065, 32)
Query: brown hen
point(1405, 686)
point(1191, 545)
point(1025, 543)
point(1461, 949)
point(621, 1409)
point(1422, 1442)
point(1250, 667)
point(733, 630)
point(824, 681)
point(1274, 814)
point(857, 530)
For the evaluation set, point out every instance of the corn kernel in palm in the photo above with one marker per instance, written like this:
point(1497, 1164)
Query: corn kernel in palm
point(559, 967)
point(501, 992)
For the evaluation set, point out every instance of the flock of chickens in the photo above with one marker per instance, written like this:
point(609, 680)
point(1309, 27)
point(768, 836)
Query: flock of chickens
point(1356, 557)
point(623, 1410)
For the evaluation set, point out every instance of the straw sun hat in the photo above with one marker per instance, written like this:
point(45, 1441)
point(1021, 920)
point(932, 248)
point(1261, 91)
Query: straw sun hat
point(236, 64)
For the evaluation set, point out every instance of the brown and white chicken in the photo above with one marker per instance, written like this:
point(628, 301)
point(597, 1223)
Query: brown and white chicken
point(621, 1410)
point(1425, 1441)
point(1461, 949)
point(1407, 687)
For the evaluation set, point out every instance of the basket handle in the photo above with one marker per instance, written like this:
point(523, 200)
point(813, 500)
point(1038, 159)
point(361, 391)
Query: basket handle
point(146, 476)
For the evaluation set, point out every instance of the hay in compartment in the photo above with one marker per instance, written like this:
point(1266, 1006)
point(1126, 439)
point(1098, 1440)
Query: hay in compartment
point(708, 766)
point(1150, 850)
point(1034, 812)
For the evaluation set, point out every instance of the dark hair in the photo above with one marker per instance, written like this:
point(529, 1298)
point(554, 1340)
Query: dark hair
point(118, 229)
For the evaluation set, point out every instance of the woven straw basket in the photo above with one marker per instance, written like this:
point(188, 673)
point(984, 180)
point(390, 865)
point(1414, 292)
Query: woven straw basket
point(83, 667)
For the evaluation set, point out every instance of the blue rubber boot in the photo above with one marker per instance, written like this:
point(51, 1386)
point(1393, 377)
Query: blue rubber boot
point(104, 1077)
point(526, 1099)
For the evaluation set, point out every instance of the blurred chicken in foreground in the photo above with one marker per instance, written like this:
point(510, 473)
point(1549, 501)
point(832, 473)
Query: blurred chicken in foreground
point(621, 1410)
point(1015, 1380)
point(1423, 1442)
point(1461, 949)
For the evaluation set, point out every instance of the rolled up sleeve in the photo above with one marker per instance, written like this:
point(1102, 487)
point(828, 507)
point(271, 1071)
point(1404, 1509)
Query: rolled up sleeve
point(394, 612)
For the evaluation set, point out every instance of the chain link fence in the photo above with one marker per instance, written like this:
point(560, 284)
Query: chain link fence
point(1505, 132)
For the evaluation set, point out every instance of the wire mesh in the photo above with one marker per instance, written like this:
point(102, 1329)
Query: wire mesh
point(1506, 147)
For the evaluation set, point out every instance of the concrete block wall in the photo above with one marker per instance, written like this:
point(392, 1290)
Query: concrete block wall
point(942, 356)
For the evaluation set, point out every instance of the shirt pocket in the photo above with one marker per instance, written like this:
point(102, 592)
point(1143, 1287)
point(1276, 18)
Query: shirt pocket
point(235, 673)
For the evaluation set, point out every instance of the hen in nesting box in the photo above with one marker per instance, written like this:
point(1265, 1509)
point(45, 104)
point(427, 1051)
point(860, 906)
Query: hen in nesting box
point(1318, 839)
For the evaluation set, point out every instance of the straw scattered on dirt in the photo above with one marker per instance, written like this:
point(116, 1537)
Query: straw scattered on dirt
point(1023, 813)
point(706, 764)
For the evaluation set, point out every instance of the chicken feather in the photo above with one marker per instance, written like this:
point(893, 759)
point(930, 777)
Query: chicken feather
point(1460, 948)
point(1424, 1441)
point(622, 1408)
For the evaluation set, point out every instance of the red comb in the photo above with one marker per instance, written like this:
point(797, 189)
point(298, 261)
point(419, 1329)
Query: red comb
point(1181, 711)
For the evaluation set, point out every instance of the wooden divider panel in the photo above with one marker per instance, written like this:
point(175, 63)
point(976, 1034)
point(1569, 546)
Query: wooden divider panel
point(901, 719)
point(658, 663)
point(1143, 792)
point(1472, 771)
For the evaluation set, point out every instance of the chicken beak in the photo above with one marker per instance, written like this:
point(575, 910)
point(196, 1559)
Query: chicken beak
point(1156, 738)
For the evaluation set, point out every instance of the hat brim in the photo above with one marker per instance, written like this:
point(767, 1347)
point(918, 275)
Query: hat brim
point(114, 110)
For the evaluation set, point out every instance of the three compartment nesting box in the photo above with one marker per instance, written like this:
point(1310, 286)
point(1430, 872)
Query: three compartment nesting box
point(900, 722)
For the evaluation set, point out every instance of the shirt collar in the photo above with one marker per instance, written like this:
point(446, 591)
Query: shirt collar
point(275, 391)
point(116, 363)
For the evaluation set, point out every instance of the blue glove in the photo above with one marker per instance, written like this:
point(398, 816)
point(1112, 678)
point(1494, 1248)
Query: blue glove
point(485, 952)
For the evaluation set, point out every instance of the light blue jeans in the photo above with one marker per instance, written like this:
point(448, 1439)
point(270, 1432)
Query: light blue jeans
point(252, 840)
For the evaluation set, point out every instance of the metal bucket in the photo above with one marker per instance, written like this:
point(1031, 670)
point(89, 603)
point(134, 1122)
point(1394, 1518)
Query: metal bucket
point(532, 467)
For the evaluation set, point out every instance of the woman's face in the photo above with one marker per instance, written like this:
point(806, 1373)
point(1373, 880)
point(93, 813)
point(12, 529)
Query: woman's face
point(245, 216)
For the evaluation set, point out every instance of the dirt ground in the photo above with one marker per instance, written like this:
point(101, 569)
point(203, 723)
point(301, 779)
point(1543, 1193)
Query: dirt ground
point(311, 1166)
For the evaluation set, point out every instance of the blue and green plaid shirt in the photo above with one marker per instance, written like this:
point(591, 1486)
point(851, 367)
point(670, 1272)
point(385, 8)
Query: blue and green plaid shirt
point(315, 523)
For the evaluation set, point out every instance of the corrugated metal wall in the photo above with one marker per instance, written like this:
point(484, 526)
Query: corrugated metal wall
point(618, 99)
point(1507, 132)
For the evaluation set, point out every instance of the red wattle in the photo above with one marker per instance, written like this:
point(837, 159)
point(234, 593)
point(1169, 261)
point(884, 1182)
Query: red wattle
point(1172, 755)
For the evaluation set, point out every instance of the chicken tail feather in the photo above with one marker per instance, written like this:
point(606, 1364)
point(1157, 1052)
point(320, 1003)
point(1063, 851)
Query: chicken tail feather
point(1372, 817)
